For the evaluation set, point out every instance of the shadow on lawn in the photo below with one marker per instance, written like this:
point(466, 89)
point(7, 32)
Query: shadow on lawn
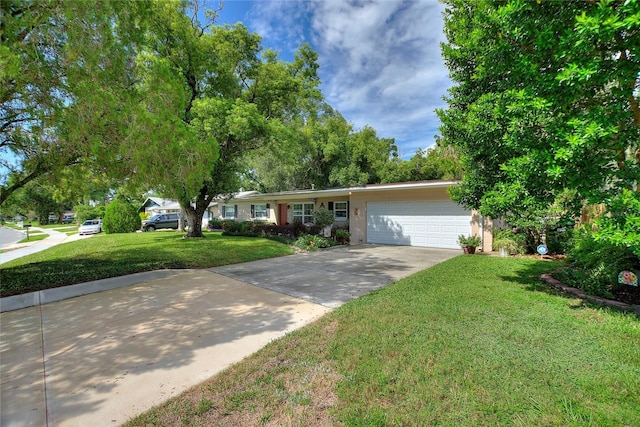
point(530, 276)
point(49, 274)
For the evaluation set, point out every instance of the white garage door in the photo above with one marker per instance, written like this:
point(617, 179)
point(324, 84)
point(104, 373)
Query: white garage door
point(428, 224)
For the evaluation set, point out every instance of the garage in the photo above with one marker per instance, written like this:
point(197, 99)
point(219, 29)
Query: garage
point(434, 224)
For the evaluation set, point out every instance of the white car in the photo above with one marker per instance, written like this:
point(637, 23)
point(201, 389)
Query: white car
point(90, 226)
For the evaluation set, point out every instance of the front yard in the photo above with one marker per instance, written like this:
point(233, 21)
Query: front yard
point(472, 341)
point(114, 255)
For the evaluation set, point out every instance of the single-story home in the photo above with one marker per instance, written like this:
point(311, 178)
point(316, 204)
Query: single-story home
point(158, 205)
point(409, 213)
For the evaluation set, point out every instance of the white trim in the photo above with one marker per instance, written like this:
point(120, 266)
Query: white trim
point(305, 218)
point(344, 218)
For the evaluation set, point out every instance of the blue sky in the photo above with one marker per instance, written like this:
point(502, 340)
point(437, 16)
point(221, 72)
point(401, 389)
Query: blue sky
point(380, 61)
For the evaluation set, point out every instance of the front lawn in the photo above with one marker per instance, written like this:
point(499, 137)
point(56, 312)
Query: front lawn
point(474, 341)
point(113, 255)
point(34, 236)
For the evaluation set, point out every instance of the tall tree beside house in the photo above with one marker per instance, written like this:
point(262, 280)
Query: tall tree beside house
point(545, 104)
point(211, 94)
point(322, 151)
point(65, 84)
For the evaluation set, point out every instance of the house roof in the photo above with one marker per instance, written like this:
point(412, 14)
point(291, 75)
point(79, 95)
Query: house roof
point(170, 204)
point(346, 191)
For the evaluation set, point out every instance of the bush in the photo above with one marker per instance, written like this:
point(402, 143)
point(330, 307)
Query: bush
point(323, 217)
point(514, 243)
point(310, 242)
point(215, 224)
point(234, 228)
point(121, 217)
point(594, 265)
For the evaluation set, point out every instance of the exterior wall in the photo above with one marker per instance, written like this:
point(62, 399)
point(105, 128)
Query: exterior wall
point(487, 234)
point(358, 208)
point(244, 208)
point(244, 211)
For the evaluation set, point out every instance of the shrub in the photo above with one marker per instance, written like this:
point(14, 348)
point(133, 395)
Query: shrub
point(236, 228)
point(121, 217)
point(594, 265)
point(214, 224)
point(310, 242)
point(323, 217)
point(514, 243)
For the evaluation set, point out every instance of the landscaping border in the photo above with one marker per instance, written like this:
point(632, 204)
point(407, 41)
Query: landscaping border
point(582, 294)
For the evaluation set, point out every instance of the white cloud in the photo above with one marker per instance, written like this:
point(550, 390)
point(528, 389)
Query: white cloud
point(380, 61)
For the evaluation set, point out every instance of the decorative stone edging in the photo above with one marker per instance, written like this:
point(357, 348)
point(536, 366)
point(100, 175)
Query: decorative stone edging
point(582, 294)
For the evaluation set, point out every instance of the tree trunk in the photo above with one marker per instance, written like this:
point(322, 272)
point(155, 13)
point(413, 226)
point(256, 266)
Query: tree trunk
point(194, 214)
point(195, 223)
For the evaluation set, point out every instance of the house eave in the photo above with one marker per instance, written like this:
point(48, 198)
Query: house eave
point(347, 191)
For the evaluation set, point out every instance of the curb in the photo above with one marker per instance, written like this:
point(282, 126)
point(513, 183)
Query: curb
point(598, 300)
point(32, 299)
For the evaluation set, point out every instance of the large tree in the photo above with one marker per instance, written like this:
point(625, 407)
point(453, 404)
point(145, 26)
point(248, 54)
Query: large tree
point(322, 151)
point(210, 95)
point(544, 109)
point(65, 83)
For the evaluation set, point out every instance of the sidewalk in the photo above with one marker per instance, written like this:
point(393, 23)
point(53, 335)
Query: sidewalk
point(18, 250)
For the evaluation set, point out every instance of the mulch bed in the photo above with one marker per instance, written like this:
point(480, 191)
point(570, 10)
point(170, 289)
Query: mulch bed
point(634, 308)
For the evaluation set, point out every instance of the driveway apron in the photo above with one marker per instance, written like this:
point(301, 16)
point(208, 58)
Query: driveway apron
point(103, 358)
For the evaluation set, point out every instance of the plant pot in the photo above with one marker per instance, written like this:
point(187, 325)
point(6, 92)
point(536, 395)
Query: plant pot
point(469, 249)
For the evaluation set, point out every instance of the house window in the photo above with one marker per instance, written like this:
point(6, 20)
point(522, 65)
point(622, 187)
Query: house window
point(259, 211)
point(303, 212)
point(229, 211)
point(340, 210)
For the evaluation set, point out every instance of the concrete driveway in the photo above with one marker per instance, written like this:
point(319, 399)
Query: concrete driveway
point(338, 275)
point(102, 358)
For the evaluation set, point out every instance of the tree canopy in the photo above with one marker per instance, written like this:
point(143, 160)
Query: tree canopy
point(544, 108)
point(65, 80)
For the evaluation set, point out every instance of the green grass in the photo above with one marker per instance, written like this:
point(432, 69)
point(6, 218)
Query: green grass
point(12, 225)
point(474, 341)
point(113, 255)
point(34, 236)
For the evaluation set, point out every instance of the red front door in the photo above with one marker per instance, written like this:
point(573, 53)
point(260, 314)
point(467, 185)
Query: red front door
point(282, 214)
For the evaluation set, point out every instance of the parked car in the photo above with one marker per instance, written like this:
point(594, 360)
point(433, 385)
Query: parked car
point(158, 221)
point(68, 219)
point(90, 226)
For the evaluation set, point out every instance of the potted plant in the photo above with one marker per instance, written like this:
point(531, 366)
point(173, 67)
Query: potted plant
point(324, 219)
point(469, 244)
point(505, 246)
point(342, 235)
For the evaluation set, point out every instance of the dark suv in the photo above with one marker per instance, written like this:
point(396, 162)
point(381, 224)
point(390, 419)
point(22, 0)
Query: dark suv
point(166, 220)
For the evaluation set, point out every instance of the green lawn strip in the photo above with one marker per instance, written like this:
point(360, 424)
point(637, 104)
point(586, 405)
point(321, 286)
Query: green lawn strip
point(474, 341)
point(66, 229)
point(12, 225)
point(53, 225)
point(34, 237)
point(113, 255)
